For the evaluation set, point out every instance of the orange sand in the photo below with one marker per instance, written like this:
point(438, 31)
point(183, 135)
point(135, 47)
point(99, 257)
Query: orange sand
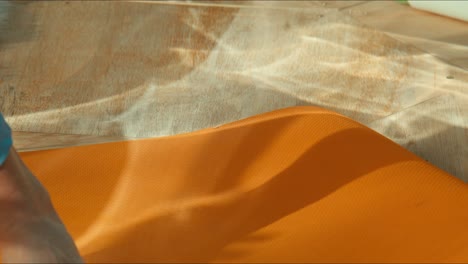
point(300, 184)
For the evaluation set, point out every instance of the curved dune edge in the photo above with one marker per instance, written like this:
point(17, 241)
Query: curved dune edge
point(300, 184)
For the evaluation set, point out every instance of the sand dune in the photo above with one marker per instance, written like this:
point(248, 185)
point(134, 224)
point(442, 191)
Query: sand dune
point(295, 185)
point(145, 70)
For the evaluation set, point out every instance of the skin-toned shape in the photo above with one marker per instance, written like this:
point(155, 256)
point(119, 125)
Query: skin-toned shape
point(30, 229)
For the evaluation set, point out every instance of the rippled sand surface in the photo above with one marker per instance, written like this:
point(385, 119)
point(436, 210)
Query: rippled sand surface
point(152, 69)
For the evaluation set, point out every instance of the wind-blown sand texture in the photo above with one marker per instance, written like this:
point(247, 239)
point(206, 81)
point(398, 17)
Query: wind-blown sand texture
point(115, 70)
